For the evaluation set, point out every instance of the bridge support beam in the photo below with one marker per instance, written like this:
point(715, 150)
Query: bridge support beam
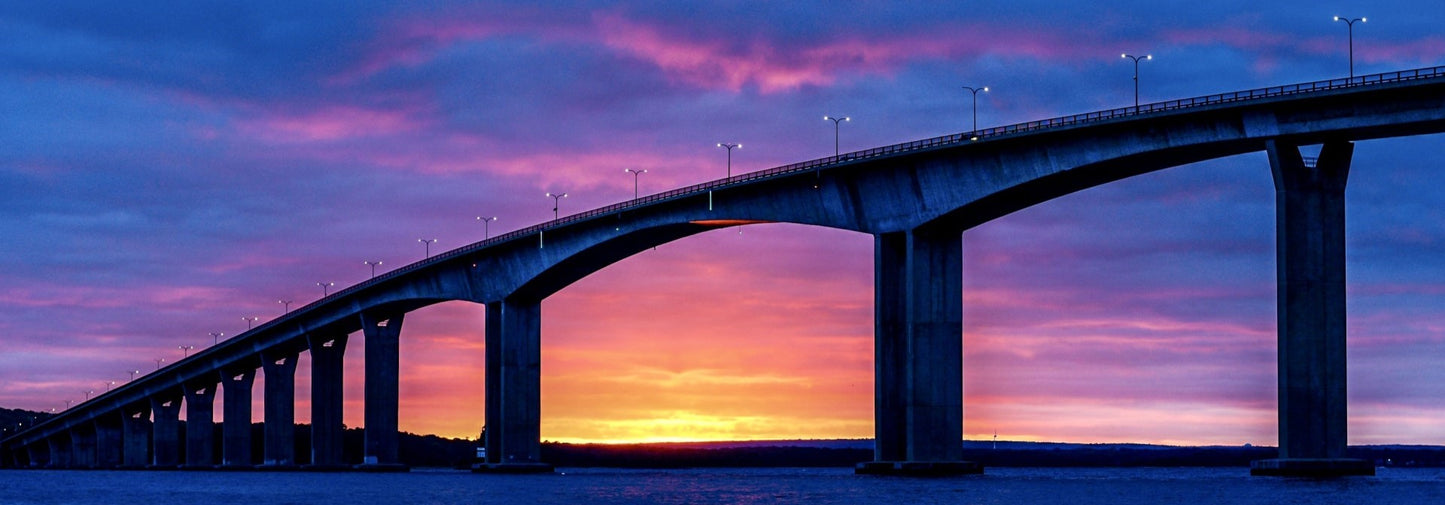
point(326, 400)
point(236, 420)
point(165, 431)
point(38, 455)
point(1310, 215)
point(514, 388)
point(200, 424)
point(107, 441)
point(918, 355)
point(60, 451)
point(135, 424)
point(383, 373)
point(280, 396)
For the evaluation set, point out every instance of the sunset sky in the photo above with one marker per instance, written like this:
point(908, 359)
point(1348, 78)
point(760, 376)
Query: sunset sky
point(170, 167)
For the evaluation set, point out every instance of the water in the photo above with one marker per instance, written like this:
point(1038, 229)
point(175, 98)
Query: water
point(1189, 486)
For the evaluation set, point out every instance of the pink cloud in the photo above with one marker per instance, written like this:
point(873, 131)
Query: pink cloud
point(330, 124)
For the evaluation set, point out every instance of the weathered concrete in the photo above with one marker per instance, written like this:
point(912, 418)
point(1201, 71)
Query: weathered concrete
point(236, 421)
point(1310, 215)
point(108, 441)
point(60, 451)
point(383, 391)
point(135, 423)
point(165, 430)
point(280, 397)
point(514, 380)
point(326, 399)
point(201, 422)
point(918, 346)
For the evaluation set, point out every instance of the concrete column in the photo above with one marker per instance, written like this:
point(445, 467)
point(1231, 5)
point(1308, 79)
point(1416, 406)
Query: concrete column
point(513, 381)
point(918, 355)
point(383, 364)
point(1310, 244)
point(135, 424)
point(200, 424)
point(60, 451)
point(280, 394)
point(236, 420)
point(326, 399)
point(108, 441)
point(165, 431)
point(38, 455)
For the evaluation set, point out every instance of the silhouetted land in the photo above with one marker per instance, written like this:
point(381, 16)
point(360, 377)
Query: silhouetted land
point(434, 451)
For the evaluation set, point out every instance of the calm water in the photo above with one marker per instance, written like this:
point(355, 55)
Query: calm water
point(1189, 486)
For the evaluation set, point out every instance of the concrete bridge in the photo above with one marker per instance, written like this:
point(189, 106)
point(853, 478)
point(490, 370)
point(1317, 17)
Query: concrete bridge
point(915, 198)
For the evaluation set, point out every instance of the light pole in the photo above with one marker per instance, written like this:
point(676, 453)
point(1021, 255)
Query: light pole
point(486, 226)
point(556, 203)
point(216, 336)
point(132, 373)
point(730, 155)
point(975, 91)
point(250, 320)
point(285, 306)
point(428, 242)
point(108, 384)
point(325, 288)
point(185, 350)
point(88, 393)
point(68, 403)
point(1350, 23)
point(1136, 75)
point(158, 362)
point(836, 121)
point(634, 173)
point(373, 264)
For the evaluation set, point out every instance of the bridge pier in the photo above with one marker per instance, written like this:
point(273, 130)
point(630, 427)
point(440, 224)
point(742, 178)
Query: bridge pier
point(383, 392)
point(135, 435)
point(60, 452)
point(280, 406)
point(236, 417)
point(326, 400)
point(514, 388)
point(1310, 215)
point(108, 441)
point(200, 424)
point(165, 431)
point(918, 355)
point(38, 456)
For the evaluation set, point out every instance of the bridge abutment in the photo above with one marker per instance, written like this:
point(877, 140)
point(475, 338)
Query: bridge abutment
point(1310, 220)
point(514, 386)
point(326, 400)
point(236, 417)
point(280, 409)
point(383, 365)
point(918, 355)
point(165, 431)
point(200, 424)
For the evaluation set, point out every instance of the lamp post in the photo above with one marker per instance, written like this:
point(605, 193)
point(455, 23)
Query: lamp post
point(1350, 24)
point(556, 203)
point(486, 226)
point(730, 148)
point(974, 91)
point(325, 288)
point(108, 385)
point(185, 350)
point(216, 336)
point(428, 242)
point(1136, 75)
point(634, 173)
point(68, 403)
point(373, 264)
point(158, 362)
point(285, 306)
point(88, 393)
point(132, 373)
point(836, 121)
point(250, 320)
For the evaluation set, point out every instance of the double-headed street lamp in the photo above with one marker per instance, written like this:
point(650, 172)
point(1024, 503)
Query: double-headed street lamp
point(216, 337)
point(250, 320)
point(486, 226)
point(158, 362)
point(325, 288)
point(974, 91)
point(730, 148)
point(108, 385)
point(635, 173)
point(185, 350)
point(132, 373)
point(373, 264)
point(556, 204)
point(428, 242)
point(836, 121)
point(285, 306)
point(1350, 23)
point(1136, 75)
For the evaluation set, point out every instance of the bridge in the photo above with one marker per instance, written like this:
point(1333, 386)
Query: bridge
point(915, 198)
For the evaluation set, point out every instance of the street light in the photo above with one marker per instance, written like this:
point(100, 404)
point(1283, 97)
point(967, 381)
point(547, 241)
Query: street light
point(835, 121)
point(634, 173)
point(250, 320)
point(428, 242)
point(158, 362)
point(108, 384)
point(1136, 75)
point(216, 336)
point(285, 306)
point(975, 91)
point(1350, 23)
point(730, 155)
point(88, 393)
point(486, 226)
point(373, 264)
point(325, 288)
point(185, 350)
point(556, 203)
point(68, 403)
point(132, 373)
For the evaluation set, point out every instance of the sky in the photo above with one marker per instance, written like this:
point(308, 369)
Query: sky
point(168, 169)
